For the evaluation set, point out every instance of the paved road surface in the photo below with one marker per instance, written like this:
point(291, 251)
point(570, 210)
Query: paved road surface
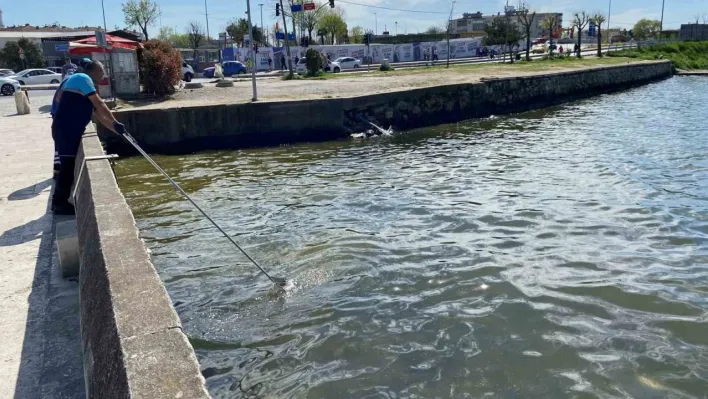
point(40, 352)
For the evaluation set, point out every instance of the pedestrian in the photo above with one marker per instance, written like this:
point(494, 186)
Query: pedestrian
point(435, 54)
point(270, 63)
point(297, 60)
point(68, 69)
point(249, 64)
point(282, 62)
point(76, 101)
point(560, 50)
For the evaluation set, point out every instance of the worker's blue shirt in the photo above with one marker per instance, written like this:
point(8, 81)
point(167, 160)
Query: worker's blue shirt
point(55, 103)
point(73, 112)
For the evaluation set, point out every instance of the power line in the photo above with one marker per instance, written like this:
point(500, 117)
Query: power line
point(389, 8)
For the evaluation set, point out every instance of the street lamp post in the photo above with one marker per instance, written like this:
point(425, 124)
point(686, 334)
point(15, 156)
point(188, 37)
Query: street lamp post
point(396, 28)
point(206, 15)
point(376, 24)
point(253, 53)
point(661, 24)
point(262, 30)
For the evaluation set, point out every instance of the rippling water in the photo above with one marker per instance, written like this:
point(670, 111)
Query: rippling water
point(558, 253)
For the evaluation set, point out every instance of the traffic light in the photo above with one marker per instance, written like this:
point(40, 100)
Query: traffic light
point(331, 3)
point(255, 48)
point(277, 9)
point(366, 39)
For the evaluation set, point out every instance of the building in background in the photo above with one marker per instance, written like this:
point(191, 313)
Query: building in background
point(693, 32)
point(53, 40)
point(473, 24)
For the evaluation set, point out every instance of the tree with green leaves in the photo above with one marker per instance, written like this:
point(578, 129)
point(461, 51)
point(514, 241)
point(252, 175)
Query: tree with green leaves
point(356, 35)
point(10, 55)
point(646, 29)
point(333, 23)
point(238, 28)
point(435, 30)
point(503, 32)
point(142, 13)
point(311, 18)
point(526, 20)
point(598, 19)
point(177, 40)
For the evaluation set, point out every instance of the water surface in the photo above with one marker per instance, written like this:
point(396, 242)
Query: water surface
point(558, 253)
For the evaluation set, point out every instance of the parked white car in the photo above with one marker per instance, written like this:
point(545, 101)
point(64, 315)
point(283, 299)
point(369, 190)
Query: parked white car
point(187, 72)
point(345, 63)
point(301, 67)
point(8, 86)
point(6, 72)
point(36, 77)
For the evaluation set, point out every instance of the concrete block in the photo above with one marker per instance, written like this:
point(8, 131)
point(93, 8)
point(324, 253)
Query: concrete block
point(67, 240)
point(22, 103)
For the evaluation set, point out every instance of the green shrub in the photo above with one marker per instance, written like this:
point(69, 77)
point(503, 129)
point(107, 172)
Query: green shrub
point(160, 67)
point(684, 55)
point(314, 62)
point(386, 68)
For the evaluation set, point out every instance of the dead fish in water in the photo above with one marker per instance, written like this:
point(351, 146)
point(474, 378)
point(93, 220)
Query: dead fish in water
point(372, 133)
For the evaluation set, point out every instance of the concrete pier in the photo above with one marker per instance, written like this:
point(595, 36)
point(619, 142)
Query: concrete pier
point(40, 354)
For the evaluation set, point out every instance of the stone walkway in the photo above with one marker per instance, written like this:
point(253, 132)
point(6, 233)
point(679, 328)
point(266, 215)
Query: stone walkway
point(40, 351)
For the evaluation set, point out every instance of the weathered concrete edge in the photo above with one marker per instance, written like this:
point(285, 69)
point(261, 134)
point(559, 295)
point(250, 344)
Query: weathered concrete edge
point(188, 129)
point(132, 339)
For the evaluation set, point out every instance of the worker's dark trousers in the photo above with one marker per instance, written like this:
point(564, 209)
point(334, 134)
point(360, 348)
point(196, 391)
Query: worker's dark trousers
point(62, 191)
point(67, 146)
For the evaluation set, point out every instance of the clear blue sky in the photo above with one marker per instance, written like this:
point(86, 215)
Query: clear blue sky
point(177, 13)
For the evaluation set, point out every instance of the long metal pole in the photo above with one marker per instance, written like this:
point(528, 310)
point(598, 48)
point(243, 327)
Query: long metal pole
point(609, 14)
point(661, 25)
point(277, 280)
point(287, 41)
point(253, 53)
point(376, 24)
point(206, 15)
point(110, 54)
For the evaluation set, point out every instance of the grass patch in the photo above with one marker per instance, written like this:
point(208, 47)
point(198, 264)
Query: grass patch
point(521, 66)
point(292, 76)
point(684, 55)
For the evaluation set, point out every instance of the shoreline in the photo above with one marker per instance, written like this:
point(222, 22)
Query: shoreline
point(185, 129)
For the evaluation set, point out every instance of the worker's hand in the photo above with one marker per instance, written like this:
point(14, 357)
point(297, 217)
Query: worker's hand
point(119, 128)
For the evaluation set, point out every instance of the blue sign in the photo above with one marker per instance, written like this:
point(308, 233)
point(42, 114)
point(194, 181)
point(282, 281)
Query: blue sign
point(291, 36)
point(61, 47)
point(591, 30)
point(279, 36)
point(296, 7)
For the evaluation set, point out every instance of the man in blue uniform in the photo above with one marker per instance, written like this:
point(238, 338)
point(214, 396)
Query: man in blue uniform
point(75, 103)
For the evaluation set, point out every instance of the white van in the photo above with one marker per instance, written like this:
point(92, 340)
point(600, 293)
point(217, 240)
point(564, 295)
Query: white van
point(187, 72)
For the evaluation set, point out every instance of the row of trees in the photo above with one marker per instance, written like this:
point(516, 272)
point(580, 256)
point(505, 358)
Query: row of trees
point(10, 55)
point(508, 30)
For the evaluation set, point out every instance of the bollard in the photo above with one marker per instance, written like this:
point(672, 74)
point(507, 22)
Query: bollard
point(22, 103)
point(68, 248)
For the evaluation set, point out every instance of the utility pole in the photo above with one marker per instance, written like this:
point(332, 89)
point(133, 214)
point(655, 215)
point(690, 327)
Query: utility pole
point(263, 31)
point(206, 15)
point(609, 13)
point(661, 24)
point(376, 24)
point(253, 53)
point(110, 54)
point(449, 28)
point(287, 42)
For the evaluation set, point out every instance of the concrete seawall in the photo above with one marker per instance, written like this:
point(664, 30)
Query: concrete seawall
point(132, 339)
point(188, 129)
